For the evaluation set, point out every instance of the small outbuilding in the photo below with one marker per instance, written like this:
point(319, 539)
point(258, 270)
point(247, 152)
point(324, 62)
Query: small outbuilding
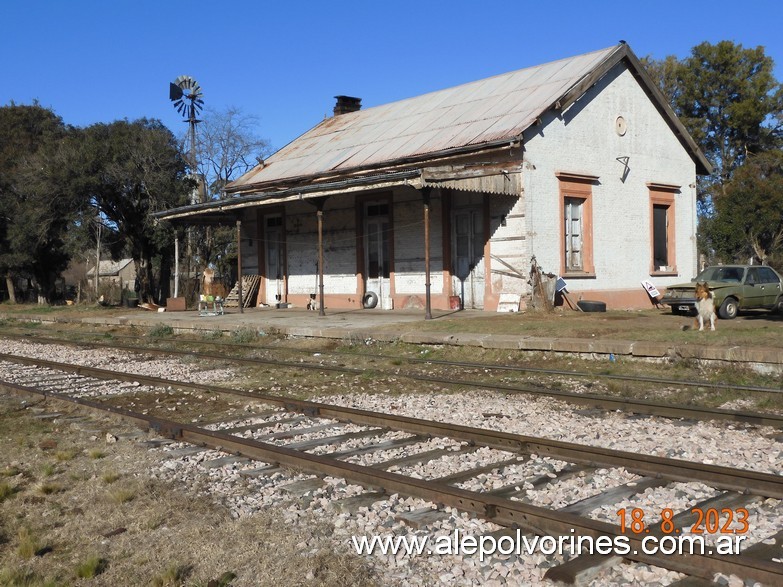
point(442, 200)
point(120, 275)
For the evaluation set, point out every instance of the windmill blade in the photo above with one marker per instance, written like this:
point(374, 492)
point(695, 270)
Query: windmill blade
point(175, 92)
point(183, 81)
point(187, 96)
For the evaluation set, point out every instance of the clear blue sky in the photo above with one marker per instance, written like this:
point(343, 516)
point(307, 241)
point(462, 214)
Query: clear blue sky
point(283, 61)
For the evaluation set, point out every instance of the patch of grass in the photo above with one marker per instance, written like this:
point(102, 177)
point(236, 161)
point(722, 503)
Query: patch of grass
point(48, 469)
point(91, 568)
point(110, 477)
point(11, 471)
point(122, 495)
point(96, 453)
point(24, 578)
point(223, 581)
point(212, 334)
point(161, 331)
point(6, 491)
point(173, 576)
point(49, 488)
point(29, 544)
point(244, 335)
point(65, 455)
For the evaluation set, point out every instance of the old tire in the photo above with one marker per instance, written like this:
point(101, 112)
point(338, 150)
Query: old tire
point(591, 306)
point(728, 309)
point(370, 300)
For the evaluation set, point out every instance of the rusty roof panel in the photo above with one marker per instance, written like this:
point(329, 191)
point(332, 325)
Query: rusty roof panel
point(475, 113)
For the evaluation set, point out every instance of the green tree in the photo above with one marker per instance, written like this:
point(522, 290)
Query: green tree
point(748, 219)
point(36, 210)
point(729, 100)
point(129, 170)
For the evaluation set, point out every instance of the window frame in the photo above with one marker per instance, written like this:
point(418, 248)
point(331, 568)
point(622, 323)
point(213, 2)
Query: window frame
point(662, 195)
point(577, 187)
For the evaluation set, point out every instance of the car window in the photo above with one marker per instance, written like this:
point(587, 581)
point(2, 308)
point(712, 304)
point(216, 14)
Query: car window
point(728, 274)
point(753, 276)
point(766, 275)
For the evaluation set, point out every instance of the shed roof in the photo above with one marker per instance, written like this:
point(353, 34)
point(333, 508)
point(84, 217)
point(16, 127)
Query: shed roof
point(107, 267)
point(470, 116)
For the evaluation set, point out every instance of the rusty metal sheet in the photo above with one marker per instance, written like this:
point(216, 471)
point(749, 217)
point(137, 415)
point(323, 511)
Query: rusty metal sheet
point(492, 109)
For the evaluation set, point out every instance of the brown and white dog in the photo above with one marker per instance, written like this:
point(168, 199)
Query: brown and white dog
point(705, 305)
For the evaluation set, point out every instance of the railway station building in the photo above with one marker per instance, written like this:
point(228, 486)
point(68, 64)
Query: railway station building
point(444, 200)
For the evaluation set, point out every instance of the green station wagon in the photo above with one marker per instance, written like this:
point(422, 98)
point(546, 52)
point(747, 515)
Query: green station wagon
point(735, 287)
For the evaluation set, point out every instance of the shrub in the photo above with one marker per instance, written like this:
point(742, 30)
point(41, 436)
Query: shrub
point(161, 330)
point(243, 335)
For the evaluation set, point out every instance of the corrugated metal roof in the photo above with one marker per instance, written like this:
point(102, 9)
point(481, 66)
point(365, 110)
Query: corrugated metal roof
point(493, 109)
point(108, 267)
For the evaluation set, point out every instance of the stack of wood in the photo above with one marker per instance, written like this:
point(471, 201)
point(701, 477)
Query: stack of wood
point(250, 285)
point(542, 288)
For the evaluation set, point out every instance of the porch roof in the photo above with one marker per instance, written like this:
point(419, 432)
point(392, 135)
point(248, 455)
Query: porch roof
point(497, 179)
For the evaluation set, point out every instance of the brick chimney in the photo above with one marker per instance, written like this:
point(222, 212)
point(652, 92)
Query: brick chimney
point(346, 104)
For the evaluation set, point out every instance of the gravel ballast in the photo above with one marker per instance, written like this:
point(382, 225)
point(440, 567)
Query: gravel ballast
point(718, 443)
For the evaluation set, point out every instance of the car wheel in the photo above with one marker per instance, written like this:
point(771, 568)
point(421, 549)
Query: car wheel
point(728, 309)
point(778, 307)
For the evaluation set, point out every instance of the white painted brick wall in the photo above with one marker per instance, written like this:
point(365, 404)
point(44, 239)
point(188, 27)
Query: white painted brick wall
point(584, 141)
point(507, 242)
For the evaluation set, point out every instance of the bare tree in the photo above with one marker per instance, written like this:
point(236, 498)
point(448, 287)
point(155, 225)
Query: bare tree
point(227, 147)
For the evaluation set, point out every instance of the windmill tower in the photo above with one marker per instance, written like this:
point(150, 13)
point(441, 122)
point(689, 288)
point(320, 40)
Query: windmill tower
point(185, 93)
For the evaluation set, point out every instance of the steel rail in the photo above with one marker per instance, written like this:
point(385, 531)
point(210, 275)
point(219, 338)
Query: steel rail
point(743, 480)
point(647, 407)
point(490, 366)
point(502, 511)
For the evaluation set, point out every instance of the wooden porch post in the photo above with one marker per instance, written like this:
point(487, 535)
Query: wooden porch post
point(427, 299)
point(176, 264)
point(320, 213)
point(239, 265)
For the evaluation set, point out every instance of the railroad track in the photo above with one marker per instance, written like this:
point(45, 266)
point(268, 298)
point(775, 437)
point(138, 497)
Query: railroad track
point(358, 446)
point(450, 379)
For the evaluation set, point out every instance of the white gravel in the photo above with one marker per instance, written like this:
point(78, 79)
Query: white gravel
point(731, 445)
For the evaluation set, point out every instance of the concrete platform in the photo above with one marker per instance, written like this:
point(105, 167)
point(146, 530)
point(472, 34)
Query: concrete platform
point(404, 325)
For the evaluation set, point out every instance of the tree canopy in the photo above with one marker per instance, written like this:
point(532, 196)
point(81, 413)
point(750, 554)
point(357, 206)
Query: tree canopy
point(129, 170)
point(729, 100)
point(227, 146)
point(748, 219)
point(36, 209)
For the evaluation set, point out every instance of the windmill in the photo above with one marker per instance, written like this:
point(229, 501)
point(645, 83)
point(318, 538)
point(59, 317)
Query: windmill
point(185, 93)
